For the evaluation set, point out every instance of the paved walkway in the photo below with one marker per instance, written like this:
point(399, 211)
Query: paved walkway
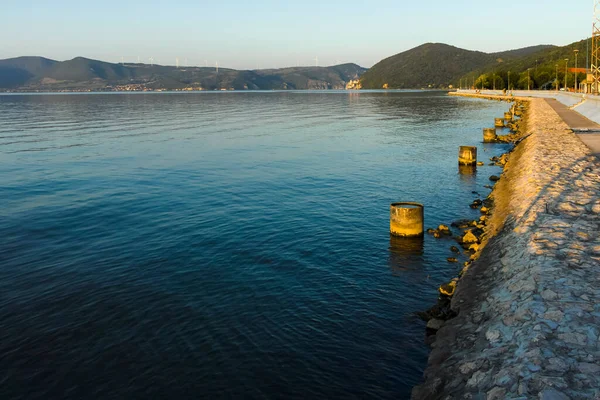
point(588, 131)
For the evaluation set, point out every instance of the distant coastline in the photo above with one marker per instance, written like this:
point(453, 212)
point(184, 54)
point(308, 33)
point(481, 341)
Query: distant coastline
point(166, 91)
point(38, 74)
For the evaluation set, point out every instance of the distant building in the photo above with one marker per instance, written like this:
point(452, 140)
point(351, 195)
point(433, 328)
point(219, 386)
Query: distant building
point(354, 84)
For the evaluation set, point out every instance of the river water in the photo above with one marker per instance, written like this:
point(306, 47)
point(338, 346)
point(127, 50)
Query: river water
point(225, 245)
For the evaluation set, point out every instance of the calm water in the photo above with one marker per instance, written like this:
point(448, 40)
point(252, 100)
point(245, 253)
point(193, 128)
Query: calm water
point(221, 245)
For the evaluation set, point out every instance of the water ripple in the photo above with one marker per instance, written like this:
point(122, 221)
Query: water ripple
point(224, 244)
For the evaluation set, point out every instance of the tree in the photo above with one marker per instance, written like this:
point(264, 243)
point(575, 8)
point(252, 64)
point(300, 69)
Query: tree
point(542, 78)
point(498, 82)
point(523, 82)
point(482, 82)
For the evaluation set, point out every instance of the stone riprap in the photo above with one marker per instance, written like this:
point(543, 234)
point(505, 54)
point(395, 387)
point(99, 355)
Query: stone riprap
point(528, 321)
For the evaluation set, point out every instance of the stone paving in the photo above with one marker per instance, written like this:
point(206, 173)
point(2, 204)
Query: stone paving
point(528, 321)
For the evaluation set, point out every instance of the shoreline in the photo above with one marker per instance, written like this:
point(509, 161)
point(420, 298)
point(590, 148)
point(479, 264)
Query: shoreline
point(527, 321)
point(338, 90)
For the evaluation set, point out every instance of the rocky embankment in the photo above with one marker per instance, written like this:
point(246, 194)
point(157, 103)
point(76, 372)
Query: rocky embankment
point(525, 315)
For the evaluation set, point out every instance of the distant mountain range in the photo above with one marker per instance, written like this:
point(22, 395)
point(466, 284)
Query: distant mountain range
point(439, 65)
point(42, 74)
point(431, 65)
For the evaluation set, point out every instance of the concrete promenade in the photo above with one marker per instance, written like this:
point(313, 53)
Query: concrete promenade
point(581, 112)
point(528, 323)
point(588, 131)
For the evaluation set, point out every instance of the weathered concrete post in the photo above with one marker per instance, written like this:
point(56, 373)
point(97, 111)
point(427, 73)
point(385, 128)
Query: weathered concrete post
point(489, 135)
point(467, 155)
point(467, 172)
point(499, 123)
point(406, 219)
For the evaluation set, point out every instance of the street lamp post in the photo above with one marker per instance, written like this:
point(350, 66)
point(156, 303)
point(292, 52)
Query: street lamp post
point(566, 72)
point(575, 87)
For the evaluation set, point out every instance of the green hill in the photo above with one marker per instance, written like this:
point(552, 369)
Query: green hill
point(83, 69)
point(436, 65)
point(544, 66)
point(33, 65)
point(15, 72)
point(40, 74)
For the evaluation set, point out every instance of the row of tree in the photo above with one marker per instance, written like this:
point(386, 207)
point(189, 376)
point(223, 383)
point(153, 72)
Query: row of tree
point(540, 78)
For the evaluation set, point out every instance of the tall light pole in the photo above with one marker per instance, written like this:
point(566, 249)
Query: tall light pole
point(575, 87)
point(595, 49)
point(566, 72)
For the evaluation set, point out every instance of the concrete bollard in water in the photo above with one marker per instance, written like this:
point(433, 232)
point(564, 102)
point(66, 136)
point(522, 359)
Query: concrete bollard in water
point(489, 135)
point(467, 155)
point(467, 172)
point(406, 219)
point(499, 123)
point(508, 116)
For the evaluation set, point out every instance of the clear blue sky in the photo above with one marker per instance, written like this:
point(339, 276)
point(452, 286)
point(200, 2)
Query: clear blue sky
point(269, 33)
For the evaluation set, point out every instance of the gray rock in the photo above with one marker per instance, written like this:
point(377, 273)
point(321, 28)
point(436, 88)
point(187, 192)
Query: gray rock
point(492, 335)
point(573, 338)
point(549, 295)
point(469, 238)
point(553, 394)
point(428, 390)
point(523, 389)
point(467, 368)
point(497, 393)
point(556, 365)
point(477, 379)
point(435, 324)
point(555, 316)
point(588, 368)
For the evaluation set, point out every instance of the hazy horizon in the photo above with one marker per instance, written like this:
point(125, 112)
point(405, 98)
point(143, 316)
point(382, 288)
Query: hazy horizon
point(267, 34)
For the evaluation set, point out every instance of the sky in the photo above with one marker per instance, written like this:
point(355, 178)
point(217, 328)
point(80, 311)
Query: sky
point(250, 34)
